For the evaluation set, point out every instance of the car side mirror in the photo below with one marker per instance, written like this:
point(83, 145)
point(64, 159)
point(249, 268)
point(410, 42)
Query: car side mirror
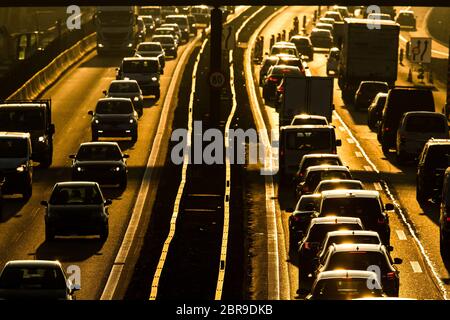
point(338, 142)
point(52, 128)
point(105, 92)
point(125, 156)
point(290, 209)
point(390, 248)
point(72, 156)
point(44, 203)
point(108, 202)
point(398, 261)
point(90, 112)
point(389, 207)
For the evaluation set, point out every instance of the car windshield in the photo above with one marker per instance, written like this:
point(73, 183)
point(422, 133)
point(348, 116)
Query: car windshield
point(23, 120)
point(338, 185)
point(314, 177)
point(128, 87)
point(149, 47)
point(308, 140)
point(13, 148)
point(367, 209)
point(307, 204)
point(179, 21)
point(438, 156)
point(140, 66)
point(73, 195)
point(344, 289)
point(29, 278)
point(350, 239)
point(284, 50)
point(98, 153)
point(357, 260)
point(309, 121)
point(114, 107)
point(319, 231)
point(301, 42)
point(425, 123)
point(163, 40)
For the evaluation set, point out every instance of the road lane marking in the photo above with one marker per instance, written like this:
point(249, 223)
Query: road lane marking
point(358, 154)
point(341, 128)
point(350, 140)
point(368, 168)
point(416, 267)
point(377, 186)
point(401, 235)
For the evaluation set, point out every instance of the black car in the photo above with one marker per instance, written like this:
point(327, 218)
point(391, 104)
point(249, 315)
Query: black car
point(35, 280)
point(102, 162)
point(367, 91)
point(304, 46)
point(406, 18)
point(444, 219)
point(114, 117)
point(375, 110)
point(273, 79)
point(433, 161)
point(76, 208)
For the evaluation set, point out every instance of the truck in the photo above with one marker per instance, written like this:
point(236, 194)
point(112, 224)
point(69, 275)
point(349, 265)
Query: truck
point(33, 117)
point(308, 95)
point(369, 52)
point(116, 28)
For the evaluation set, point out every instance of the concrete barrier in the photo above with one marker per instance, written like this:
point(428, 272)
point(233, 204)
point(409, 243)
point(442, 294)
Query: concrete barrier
point(53, 71)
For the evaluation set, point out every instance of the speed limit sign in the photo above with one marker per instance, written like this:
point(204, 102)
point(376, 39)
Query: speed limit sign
point(217, 79)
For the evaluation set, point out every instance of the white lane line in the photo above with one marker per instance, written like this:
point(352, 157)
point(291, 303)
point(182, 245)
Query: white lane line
point(350, 140)
point(358, 154)
point(341, 128)
point(119, 262)
point(401, 235)
point(368, 168)
point(377, 186)
point(422, 250)
point(176, 207)
point(416, 267)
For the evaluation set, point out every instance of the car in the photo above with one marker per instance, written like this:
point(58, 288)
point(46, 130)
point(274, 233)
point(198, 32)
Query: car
point(325, 26)
point(297, 141)
point(316, 233)
point(315, 174)
point(202, 15)
point(360, 256)
point(267, 62)
point(335, 15)
point(152, 50)
point(35, 280)
point(346, 236)
point(273, 79)
point(168, 10)
point(338, 184)
point(333, 60)
point(415, 129)
point(398, 101)
point(290, 60)
point(433, 161)
point(102, 162)
point(379, 16)
point(309, 119)
point(16, 165)
point(114, 117)
point(300, 218)
point(192, 24)
point(303, 45)
point(150, 24)
point(177, 29)
point(321, 38)
point(142, 30)
point(183, 23)
point(326, 20)
point(168, 43)
point(154, 12)
point(375, 110)
point(364, 204)
point(406, 18)
point(76, 208)
point(284, 47)
point(315, 159)
point(444, 215)
point(345, 285)
point(127, 89)
point(342, 10)
point(367, 91)
point(146, 71)
point(167, 31)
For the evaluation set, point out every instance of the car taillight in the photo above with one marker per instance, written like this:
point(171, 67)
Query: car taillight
point(297, 218)
point(273, 79)
point(447, 219)
point(390, 275)
point(305, 188)
point(307, 246)
point(387, 129)
point(281, 89)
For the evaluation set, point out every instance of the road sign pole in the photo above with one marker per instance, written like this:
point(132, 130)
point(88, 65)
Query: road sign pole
point(215, 64)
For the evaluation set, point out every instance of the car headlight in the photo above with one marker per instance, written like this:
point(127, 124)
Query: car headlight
point(130, 45)
point(80, 169)
point(186, 30)
point(100, 45)
point(116, 169)
point(172, 48)
point(96, 121)
point(136, 99)
point(131, 120)
point(41, 139)
point(154, 78)
point(21, 168)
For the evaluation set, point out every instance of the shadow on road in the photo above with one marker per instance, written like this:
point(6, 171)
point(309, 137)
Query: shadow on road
point(69, 249)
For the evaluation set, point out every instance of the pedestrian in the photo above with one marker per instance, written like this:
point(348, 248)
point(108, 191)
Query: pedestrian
point(278, 37)
point(401, 56)
point(272, 41)
point(296, 26)
point(284, 35)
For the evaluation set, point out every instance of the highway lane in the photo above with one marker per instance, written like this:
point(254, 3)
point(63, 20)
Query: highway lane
point(22, 228)
point(414, 284)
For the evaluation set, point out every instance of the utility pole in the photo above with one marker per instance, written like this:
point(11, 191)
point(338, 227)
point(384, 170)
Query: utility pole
point(215, 66)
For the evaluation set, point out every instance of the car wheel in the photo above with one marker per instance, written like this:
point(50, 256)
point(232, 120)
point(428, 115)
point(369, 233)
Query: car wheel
point(157, 94)
point(421, 197)
point(94, 137)
point(385, 149)
point(134, 136)
point(401, 157)
point(47, 160)
point(49, 234)
point(27, 192)
point(104, 233)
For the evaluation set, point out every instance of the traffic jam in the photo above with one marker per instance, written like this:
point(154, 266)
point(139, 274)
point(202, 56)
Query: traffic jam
point(118, 179)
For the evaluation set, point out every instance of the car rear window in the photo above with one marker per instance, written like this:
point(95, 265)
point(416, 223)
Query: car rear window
point(140, 66)
point(374, 87)
point(284, 50)
point(128, 87)
point(13, 148)
point(149, 47)
point(163, 40)
point(14, 278)
point(309, 121)
point(75, 196)
point(367, 209)
point(114, 107)
point(307, 203)
point(283, 71)
point(357, 260)
point(425, 123)
point(21, 119)
point(308, 140)
point(352, 239)
point(319, 231)
point(308, 162)
point(314, 177)
point(98, 153)
point(438, 156)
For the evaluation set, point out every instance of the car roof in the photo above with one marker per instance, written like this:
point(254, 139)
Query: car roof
point(11, 134)
point(332, 181)
point(113, 99)
point(433, 141)
point(99, 143)
point(318, 127)
point(76, 184)
point(335, 220)
point(162, 36)
point(297, 36)
point(351, 247)
point(321, 155)
point(370, 22)
point(124, 81)
point(33, 263)
point(352, 233)
point(406, 11)
point(317, 30)
point(338, 274)
point(327, 167)
point(149, 42)
point(350, 193)
point(308, 116)
point(176, 16)
point(140, 59)
point(22, 105)
point(423, 113)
